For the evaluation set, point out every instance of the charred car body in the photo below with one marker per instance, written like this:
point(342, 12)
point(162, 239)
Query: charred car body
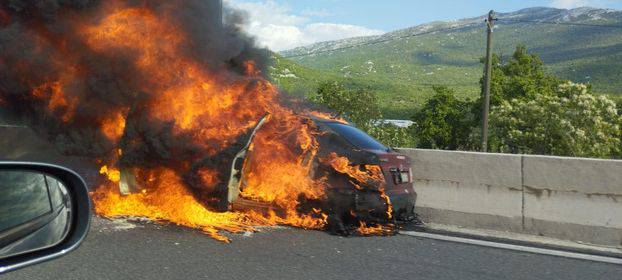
point(389, 199)
point(349, 203)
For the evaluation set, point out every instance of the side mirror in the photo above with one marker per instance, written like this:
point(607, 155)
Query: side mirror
point(45, 212)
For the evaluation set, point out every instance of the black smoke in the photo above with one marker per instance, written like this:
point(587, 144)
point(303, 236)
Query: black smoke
point(38, 42)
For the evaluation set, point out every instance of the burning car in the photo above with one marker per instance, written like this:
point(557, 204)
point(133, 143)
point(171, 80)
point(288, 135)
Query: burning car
point(386, 196)
point(168, 99)
point(367, 183)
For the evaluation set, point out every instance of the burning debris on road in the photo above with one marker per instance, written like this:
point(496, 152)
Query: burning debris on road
point(162, 95)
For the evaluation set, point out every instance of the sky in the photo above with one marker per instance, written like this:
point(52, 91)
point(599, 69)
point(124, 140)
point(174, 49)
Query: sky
point(286, 24)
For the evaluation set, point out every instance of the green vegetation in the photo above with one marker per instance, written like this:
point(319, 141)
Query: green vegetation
point(445, 122)
point(295, 79)
point(360, 106)
point(569, 122)
point(522, 76)
point(403, 71)
point(532, 112)
point(537, 113)
point(434, 79)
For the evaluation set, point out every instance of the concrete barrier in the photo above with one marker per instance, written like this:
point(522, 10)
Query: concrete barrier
point(567, 198)
point(572, 198)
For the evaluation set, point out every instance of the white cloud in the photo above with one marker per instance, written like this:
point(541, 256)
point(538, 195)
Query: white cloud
point(316, 13)
point(569, 4)
point(330, 31)
point(278, 28)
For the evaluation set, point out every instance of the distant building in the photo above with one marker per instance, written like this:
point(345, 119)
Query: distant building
point(398, 123)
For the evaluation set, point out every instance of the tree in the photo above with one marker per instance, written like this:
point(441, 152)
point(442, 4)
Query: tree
point(619, 107)
point(522, 76)
point(569, 122)
point(444, 122)
point(359, 105)
point(392, 136)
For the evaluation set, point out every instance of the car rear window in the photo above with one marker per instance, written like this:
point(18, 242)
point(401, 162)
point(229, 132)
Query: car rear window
point(357, 137)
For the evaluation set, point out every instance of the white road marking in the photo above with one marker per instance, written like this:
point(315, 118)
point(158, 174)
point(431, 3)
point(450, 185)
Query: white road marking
point(13, 126)
point(520, 248)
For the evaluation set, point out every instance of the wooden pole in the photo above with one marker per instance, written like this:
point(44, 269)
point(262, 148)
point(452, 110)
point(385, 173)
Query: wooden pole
point(486, 108)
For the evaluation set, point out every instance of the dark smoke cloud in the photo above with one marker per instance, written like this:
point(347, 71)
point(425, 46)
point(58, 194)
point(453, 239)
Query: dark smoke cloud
point(47, 7)
point(34, 34)
point(39, 45)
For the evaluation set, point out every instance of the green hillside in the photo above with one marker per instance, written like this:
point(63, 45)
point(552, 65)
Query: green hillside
point(403, 69)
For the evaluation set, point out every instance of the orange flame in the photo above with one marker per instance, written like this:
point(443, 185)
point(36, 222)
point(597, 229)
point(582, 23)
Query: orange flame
point(212, 108)
point(326, 116)
point(215, 110)
point(365, 174)
point(113, 175)
point(57, 101)
point(364, 229)
point(168, 200)
point(113, 127)
point(369, 175)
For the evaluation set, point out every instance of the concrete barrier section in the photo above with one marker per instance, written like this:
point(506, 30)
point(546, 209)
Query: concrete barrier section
point(468, 189)
point(572, 198)
point(567, 198)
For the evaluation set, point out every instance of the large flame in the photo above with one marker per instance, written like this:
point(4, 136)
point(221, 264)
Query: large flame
point(207, 109)
point(168, 200)
point(215, 112)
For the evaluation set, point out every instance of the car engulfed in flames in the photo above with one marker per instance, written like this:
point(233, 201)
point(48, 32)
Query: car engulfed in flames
point(177, 112)
point(359, 193)
point(358, 196)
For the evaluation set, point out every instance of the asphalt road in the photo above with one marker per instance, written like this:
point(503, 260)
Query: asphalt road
point(119, 250)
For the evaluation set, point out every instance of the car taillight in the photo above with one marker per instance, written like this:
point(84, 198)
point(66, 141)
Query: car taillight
point(401, 176)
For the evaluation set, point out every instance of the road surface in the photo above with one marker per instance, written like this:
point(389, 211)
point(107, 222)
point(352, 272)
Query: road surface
point(122, 250)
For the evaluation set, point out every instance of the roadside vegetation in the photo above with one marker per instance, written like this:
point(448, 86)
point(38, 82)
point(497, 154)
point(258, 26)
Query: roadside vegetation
point(532, 112)
point(360, 105)
point(404, 66)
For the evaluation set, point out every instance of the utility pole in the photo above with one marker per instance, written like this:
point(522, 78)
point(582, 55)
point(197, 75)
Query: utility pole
point(490, 24)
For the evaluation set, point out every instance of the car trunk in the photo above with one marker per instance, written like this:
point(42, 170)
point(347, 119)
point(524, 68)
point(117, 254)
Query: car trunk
point(397, 170)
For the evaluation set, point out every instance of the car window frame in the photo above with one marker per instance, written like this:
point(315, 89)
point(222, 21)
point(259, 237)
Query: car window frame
point(329, 125)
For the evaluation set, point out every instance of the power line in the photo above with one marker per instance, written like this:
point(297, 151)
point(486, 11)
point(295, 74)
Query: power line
point(560, 23)
point(376, 41)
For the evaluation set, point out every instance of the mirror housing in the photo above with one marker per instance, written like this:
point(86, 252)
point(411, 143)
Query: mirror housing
point(80, 215)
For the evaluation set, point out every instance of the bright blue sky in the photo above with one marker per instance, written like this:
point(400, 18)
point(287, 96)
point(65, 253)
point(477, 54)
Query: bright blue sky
point(394, 14)
point(285, 24)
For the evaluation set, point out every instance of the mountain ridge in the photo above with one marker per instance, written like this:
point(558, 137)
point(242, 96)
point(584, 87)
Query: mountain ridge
point(524, 14)
point(403, 65)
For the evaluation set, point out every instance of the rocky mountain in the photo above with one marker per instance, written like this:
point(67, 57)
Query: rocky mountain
point(583, 45)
